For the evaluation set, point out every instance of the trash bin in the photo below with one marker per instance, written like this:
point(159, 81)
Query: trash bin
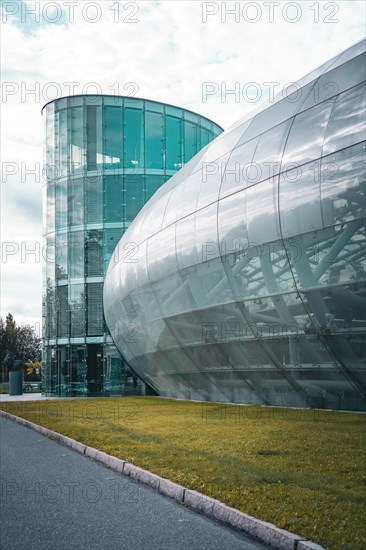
point(15, 383)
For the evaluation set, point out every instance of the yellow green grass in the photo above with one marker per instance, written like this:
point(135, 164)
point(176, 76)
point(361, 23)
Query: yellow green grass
point(303, 470)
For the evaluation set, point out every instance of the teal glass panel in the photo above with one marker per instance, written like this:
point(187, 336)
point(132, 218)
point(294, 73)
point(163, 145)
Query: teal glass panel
point(134, 196)
point(77, 140)
point(76, 201)
point(111, 238)
point(50, 267)
point(113, 198)
point(173, 111)
point(50, 309)
point(50, 143)
point(61, 201)
point(63, 137)
point(63, 312)
point(78, 382)
point(154, 140)
point(94, 199)
point(113, 142)
point(91, 137)
point(152, 185)
point(94, 253)
point(205, 137)
point(56, 150)
point(61, 257)
point(191, 117)
point(76, 254)
point(133, 132)
point(153, 106)
point(62, 103)
point(190, 140)
point(92, 99)
point(173, 143)
point(50, 217)
point(133, 103)
point(77, 309)
point(64, 366)
point(99, 137)
point(95, 309)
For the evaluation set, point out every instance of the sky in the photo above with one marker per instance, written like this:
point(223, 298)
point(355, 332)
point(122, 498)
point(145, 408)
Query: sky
point(187, 53)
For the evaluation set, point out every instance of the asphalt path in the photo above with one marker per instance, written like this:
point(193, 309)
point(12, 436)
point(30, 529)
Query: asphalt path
point(53, 498)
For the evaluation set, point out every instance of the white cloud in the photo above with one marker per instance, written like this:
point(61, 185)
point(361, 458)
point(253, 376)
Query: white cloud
point(169, 53)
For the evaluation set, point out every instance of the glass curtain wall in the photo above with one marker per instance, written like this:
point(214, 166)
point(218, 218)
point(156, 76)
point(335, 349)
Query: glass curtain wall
point(105, 157)
point(250, 280)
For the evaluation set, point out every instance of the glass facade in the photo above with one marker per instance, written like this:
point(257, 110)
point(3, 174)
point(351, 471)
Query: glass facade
point(105, 156)
point(247, 278)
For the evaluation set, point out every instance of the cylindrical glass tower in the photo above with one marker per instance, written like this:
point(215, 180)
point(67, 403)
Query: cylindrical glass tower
point(105, 156)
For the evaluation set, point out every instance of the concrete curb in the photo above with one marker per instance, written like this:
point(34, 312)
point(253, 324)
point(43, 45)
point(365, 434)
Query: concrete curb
point(258, 529)
point(307, 545)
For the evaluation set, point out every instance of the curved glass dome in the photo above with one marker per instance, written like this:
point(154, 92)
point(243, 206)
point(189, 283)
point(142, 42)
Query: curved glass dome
point(243, 278)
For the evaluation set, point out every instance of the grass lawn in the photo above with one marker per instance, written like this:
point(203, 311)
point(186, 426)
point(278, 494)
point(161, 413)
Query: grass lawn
point(303, 470)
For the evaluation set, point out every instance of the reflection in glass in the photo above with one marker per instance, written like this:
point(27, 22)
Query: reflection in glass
point(154, 136)
point(77, 140)
point(347, 119)
point(261, 212)
point(113, 141)
point(77, 309)
point(173, 143)
point(133, 132)
point(76, 254)
point(307, 135)
point(257, 295)
point(300, 200)
point(106, 156)
point(94, 253)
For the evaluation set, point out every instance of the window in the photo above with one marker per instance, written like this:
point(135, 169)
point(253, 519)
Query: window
point(173, 143)
point(133, 132)
point(154, 140)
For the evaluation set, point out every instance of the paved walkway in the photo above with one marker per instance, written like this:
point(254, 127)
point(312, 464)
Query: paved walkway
point(53, 497)
point(5, 397)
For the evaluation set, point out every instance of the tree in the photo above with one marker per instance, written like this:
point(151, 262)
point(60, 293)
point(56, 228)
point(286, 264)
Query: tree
point(28, 347)
point(18, 345)
point(8, 335)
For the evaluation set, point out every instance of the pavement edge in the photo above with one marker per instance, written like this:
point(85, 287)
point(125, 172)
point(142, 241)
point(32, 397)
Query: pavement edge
point(263, 531)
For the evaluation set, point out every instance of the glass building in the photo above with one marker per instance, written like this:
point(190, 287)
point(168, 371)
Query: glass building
point(105, 156)
point(249, 284)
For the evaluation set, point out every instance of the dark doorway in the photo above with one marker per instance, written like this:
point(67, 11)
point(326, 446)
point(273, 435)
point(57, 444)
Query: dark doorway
point(95, 369)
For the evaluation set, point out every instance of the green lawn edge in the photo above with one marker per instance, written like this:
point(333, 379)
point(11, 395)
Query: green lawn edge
point(303, 470)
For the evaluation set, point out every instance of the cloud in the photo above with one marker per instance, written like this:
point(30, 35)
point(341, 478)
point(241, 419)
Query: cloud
point(170, 53)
